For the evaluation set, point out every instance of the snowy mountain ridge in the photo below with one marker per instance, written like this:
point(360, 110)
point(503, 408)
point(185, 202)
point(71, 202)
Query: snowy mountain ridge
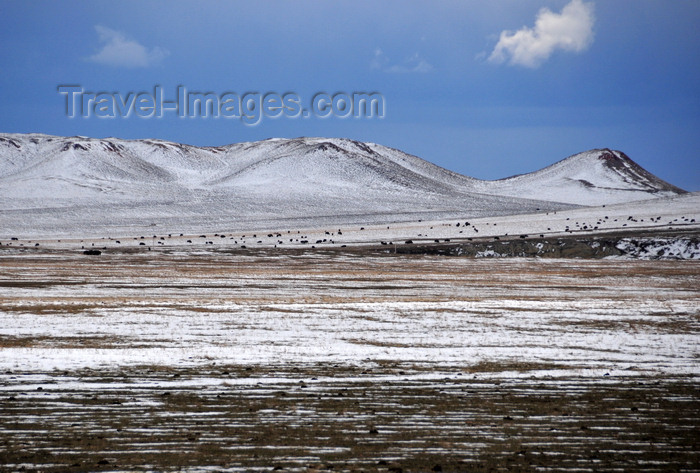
point(96, 183)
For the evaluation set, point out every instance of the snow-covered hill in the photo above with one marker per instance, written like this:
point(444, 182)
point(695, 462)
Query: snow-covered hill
point(67, 185)
point(596, 177)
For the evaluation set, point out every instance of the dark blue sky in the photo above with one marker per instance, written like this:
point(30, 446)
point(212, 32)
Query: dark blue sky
point(487, 89)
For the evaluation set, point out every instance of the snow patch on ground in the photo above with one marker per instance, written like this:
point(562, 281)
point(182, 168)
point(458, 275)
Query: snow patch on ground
point(660, 248)
point(169, 310)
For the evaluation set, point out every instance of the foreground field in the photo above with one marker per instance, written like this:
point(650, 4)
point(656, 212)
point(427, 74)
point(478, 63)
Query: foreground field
point(208, 361)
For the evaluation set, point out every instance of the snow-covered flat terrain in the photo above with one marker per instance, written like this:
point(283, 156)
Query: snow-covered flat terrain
point(206, 361)
point(188, 310)
point(668, 215)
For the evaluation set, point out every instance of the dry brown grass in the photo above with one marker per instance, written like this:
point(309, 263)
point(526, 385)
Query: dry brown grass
point(378, 414)
point(91, 341)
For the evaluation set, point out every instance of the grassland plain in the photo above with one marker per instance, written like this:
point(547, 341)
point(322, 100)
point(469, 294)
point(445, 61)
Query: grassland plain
point(181, 360)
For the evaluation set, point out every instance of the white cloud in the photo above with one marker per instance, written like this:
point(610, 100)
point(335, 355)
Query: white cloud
point(379, 60)
point(570, 30)
point(120, 51)
point(415, 63)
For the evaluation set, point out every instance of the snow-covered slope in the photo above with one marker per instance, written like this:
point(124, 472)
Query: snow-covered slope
point(596, 177)
point(67, 185)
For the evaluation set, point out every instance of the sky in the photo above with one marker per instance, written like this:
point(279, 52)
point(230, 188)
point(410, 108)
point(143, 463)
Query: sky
point(484, 88)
